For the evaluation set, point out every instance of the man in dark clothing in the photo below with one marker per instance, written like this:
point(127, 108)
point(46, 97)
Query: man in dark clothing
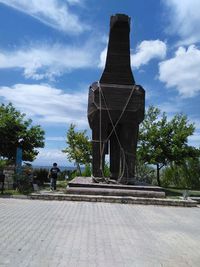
point(53, 174)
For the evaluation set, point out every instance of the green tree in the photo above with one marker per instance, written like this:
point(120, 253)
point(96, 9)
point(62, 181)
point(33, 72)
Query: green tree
point(162, 142)
point(16, 130)
point(79, 148)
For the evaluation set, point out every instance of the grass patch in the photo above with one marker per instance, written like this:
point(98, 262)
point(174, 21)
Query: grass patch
point(176, 192)
point(10, 192)
point(61, 185)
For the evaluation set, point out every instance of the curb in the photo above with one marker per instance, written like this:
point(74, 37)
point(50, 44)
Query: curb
point(108, 199)
point(15, 196)
point(115, 199)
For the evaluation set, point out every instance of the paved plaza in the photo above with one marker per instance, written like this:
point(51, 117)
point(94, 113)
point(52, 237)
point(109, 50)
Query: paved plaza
point(69, 234)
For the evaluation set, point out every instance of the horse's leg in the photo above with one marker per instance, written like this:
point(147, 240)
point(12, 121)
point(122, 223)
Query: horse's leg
point(129, 143)
point(114, 155)
point(99, 148)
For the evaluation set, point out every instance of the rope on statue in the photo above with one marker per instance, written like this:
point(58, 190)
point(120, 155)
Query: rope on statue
point(123, 163)
point(102, 146)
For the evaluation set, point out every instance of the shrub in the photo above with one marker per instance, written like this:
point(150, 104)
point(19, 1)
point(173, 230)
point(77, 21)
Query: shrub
point(73, 174)
point(3, 163)
point(87, 171)
point(22, 183)
point(186, 175)
point(144, 173)
point(62, 175)
point(106, 170)
point(40, 176)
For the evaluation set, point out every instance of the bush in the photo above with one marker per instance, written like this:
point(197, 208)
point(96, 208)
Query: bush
point(170, 177)
point(106, 170)
point(186, 175)
point(62, 175)
point(73, 174)
point(3, 164)
point(87, 171)
point(144, 173)
point(67, 173)
point(40, 176)
point(22, 183)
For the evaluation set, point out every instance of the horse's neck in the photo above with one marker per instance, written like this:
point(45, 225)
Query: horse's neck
point(118, 69)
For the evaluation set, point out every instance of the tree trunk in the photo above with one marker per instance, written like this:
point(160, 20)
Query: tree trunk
point(158, 174)
point(79, 169)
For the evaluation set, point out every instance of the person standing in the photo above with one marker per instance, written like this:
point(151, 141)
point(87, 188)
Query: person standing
point(53, 174)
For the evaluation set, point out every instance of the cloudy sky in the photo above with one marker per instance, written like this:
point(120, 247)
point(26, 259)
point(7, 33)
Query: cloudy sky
point(52, 50)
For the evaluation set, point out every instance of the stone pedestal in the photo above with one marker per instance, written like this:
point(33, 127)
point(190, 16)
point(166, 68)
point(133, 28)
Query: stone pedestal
point(86, 186)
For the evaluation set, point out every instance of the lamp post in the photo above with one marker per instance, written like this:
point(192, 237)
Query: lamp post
point(19, 156)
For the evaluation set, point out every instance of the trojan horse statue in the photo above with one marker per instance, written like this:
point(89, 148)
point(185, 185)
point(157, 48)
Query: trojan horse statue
point(115, 108)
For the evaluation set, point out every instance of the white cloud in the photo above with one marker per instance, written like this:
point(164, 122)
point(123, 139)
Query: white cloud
point(182, 71)
point(47, 61)
point(145, 51)
point(75, 2)
point(102, 60)
point(196, 122)
point(45, 104)
point(184, 19)
point(148, 50)
point(55, 138)
point(53, 13)
point(46, 157)
point(170, 107)
point(194, 140)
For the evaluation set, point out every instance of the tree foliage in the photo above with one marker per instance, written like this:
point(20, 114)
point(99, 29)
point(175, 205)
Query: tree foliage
point(3, 164)
point(163, 141)
point(16, 130)
point(79, 148)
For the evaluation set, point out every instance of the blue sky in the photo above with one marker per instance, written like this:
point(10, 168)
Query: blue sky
point(52, 50)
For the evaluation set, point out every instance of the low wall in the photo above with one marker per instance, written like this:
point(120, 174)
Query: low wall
point(9, 172)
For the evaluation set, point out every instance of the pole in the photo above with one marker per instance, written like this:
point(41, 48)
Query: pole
point(19, 160)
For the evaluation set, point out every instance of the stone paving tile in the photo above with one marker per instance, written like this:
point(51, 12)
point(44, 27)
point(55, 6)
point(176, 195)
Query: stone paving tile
point(38, 233)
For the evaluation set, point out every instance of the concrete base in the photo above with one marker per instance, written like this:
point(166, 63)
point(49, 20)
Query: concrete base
point(86, 186)
point(114, 192)
point(197, 199)
point(88, 182)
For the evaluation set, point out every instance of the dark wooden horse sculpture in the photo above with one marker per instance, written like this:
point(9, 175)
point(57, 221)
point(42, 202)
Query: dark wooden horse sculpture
point(116, 107)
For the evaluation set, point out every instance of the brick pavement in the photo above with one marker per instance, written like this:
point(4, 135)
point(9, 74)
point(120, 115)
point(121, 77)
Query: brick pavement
point(57, 233)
